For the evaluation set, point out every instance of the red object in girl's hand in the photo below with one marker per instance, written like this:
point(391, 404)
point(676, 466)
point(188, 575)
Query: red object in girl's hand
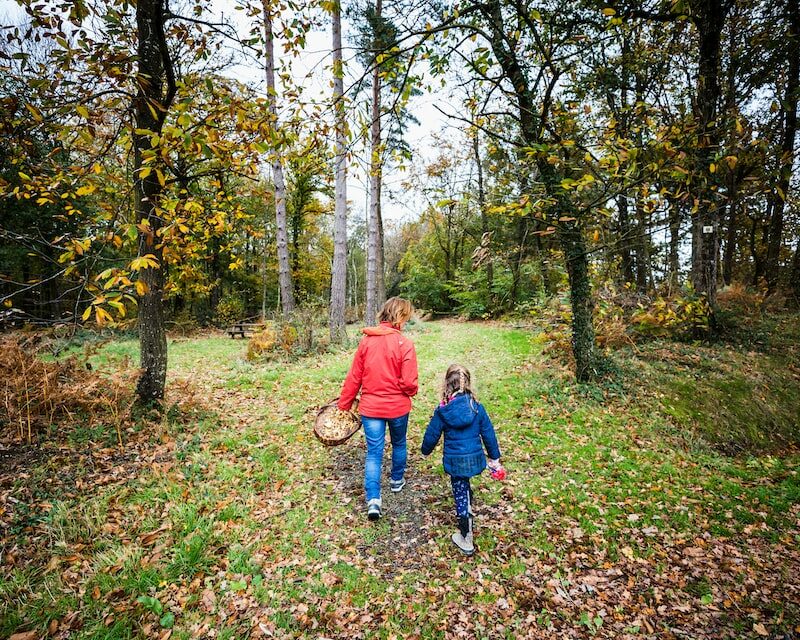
point(499, 474)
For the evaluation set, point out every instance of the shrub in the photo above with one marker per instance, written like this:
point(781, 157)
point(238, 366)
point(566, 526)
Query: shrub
point(36, 394)
point(738, 298)
point(680, 316)
point(261, 344)
point(287, 336)
point(426, 288)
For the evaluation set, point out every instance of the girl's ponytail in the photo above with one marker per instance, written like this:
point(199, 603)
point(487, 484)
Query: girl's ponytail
point(456, 380)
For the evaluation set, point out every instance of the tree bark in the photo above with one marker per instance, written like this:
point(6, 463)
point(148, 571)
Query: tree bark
point(674, 242)
point(642, 247)
point(730, 234)
point(486, 237)
point(155, 92)
point(373, 219)
point(381, 258)
point(336, 319)
point(755, 253)
point(795, 279)
point(580, 295)
point(284, 269)
point(786, 163)
point(624, 231)
point(709, 19)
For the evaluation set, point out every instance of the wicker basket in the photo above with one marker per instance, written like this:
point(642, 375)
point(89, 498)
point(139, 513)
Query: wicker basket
point(333, 426)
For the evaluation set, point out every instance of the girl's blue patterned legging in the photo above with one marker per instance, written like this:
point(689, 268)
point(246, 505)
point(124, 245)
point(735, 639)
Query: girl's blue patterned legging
point(461, 494)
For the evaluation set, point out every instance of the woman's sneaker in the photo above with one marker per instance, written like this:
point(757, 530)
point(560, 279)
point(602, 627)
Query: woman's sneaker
point(397, 485)
point(374, 509)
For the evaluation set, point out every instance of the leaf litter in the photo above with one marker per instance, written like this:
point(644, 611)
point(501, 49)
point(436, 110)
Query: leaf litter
point(567, 547)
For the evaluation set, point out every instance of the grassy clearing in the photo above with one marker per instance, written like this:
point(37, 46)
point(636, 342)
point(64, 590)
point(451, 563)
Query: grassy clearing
point(239, 521)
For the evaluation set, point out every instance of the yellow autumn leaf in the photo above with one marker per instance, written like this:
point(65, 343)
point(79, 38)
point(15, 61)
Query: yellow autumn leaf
point(102, 316)
point(118, 306)
point(82, 111)
point(144, 262)
point(34, 112)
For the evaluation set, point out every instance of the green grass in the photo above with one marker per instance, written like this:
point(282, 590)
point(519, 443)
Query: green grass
point(737, 402)
point(243, 508)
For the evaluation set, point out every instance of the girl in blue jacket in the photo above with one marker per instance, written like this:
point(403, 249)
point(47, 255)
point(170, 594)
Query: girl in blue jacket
point(467, 430)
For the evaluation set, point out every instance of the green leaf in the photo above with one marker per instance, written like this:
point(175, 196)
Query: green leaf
point(167, 620)
point(238, 585)
point(151, 604)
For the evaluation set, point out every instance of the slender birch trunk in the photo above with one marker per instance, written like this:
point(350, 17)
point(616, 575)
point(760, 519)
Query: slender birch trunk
point(486, 238)
point(284, 271)
point(373, 217)
point(339, 269)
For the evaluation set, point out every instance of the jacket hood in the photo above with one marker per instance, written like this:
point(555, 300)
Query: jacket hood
point(383, 329)
point(459, 412)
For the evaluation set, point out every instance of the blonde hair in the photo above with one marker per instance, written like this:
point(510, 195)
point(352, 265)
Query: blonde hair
point(396, 311)
point(456, 380)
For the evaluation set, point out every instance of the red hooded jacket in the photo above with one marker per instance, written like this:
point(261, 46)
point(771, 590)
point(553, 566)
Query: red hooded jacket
point(385, 369)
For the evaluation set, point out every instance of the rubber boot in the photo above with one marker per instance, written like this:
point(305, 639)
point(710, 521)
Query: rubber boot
point(463, 537)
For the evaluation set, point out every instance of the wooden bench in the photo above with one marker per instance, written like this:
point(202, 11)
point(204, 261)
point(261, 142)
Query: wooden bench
point(245, 329)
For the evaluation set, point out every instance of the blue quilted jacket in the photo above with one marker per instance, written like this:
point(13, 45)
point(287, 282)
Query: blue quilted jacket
point(467, 430)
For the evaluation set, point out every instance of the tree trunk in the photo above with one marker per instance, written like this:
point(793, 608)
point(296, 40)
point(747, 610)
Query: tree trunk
point(796, 275)
point(486, 237)
point(755, 254)
point(674, 243)
point(381, 266)
point(709, 19)
point(786, 163)
point(544, 268)
point(373, 219)
point(336, 320)
point(519, 256)
point(155, 92)
point(284, 270)
point(580, 294)
point(730, 234)
point(624, 238)
point(642, 247)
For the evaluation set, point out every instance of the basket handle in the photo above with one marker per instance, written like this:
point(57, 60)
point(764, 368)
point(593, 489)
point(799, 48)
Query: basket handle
point(336, 400)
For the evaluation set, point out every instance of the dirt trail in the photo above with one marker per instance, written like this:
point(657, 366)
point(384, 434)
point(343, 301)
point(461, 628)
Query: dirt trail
point(414, 517)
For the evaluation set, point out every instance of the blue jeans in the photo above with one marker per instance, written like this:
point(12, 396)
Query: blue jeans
point(375, 433)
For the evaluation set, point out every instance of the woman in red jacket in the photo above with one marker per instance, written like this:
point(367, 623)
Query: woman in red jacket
point(385, 369)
